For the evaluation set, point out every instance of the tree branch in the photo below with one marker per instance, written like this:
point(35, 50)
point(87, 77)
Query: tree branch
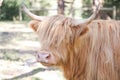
point(31, 73)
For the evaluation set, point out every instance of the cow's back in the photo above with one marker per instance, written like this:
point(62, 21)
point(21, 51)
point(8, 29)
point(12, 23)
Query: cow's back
point(104, 44)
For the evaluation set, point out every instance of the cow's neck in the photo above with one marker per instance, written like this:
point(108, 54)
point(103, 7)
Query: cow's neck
point(74, 74)
point(75, 69)
point(75, 66)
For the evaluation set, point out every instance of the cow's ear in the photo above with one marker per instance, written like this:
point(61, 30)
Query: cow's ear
point(81, 29)
point(34, 24)
point(84, 31)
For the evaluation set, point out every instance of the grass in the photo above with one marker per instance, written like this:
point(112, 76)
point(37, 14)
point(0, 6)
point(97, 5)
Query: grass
point(17, 44)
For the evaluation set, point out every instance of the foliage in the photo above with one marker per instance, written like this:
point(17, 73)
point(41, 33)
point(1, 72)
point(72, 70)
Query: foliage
point(116, 3)
point(9, 10)
point(40, 10)
point(107, 3)
point(110, 3)
point(44, 5)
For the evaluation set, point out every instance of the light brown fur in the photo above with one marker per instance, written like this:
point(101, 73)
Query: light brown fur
point(85, 52)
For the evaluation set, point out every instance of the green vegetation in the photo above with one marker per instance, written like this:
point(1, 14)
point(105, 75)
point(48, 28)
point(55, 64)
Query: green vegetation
point(116, 3)
point(9, 10)
point(107, 3)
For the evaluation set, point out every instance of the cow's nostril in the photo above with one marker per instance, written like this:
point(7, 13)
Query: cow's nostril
point(48, 56)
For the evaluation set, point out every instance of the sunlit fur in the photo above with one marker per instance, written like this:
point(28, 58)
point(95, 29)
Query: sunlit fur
point(85, 52)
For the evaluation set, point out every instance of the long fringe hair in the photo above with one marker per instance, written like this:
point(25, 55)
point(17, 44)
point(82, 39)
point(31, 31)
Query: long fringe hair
point(85, 52)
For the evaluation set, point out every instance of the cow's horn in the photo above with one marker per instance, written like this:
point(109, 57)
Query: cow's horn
point(96, 9)
point(31, 15)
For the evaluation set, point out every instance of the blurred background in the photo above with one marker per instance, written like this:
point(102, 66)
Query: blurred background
point(18, 43)
point(10, 9)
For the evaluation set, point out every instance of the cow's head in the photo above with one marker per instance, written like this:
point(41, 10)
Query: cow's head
point(57, 35)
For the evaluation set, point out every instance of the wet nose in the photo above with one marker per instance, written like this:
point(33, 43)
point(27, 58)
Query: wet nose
point(43, 56)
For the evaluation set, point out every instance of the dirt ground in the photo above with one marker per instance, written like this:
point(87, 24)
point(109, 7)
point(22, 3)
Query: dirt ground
point(18, 44)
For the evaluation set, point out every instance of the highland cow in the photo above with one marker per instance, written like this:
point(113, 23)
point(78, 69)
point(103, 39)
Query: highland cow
point(84, 49)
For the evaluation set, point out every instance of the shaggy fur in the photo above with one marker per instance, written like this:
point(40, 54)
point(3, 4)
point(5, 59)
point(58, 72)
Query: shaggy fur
point(84, 52)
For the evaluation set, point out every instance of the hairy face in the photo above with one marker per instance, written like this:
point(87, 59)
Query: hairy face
point(55, 36)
